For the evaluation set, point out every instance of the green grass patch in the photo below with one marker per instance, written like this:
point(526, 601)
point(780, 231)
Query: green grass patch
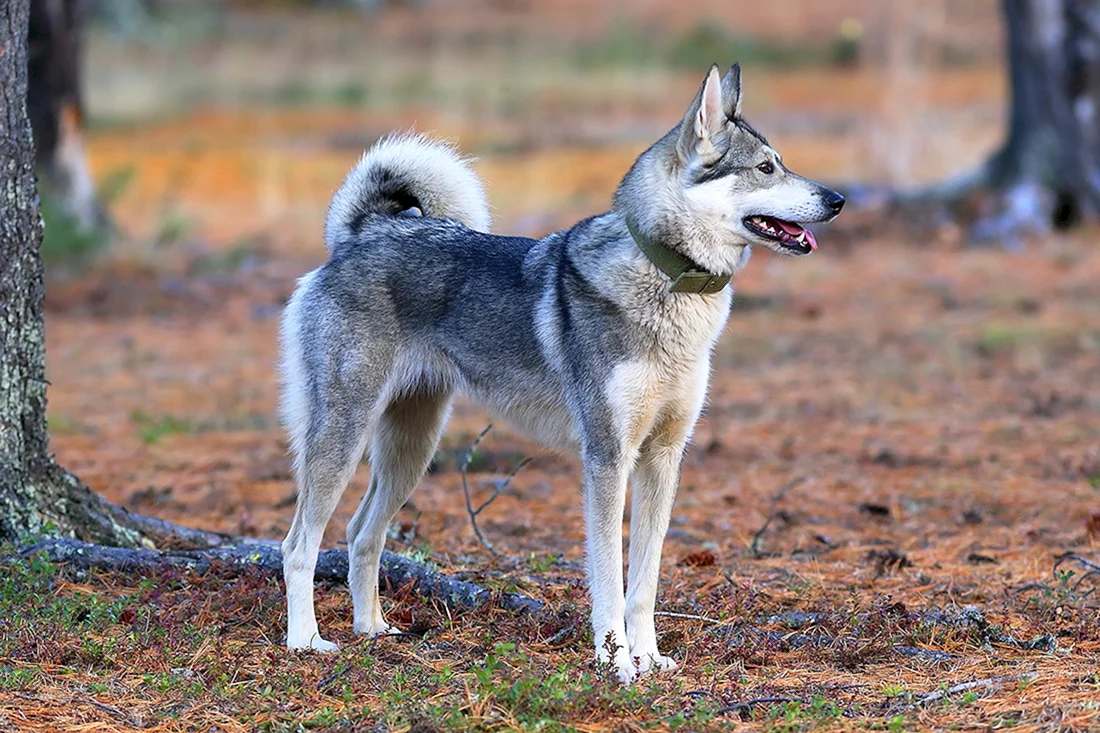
point(232, 259)
point(66, 242)
point(153, 428)
point(304, 93)
point(625, 44)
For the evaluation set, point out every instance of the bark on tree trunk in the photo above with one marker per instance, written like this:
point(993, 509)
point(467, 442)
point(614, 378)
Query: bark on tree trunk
point(34, 491)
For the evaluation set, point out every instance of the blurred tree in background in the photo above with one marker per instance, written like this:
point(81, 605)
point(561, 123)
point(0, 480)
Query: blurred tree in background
point(1047, 173)
point(55, 105)
point(1048, 166)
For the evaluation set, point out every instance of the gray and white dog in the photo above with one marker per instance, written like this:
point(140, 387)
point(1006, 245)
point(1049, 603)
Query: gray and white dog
point(595, 340)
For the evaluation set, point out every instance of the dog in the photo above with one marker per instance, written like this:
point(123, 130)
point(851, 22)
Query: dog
point(594, 340)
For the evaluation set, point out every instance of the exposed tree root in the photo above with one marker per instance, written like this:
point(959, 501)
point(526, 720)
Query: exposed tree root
point(990, 212)
point(332, 565)
point(950, 191)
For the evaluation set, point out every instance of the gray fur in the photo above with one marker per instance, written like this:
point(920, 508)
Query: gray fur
point(573, 338)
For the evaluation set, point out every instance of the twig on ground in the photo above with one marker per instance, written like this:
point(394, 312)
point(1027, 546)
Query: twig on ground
point(499, 488)
point(332, 565)
point(131, 720)
point(755, 546)
point(965, 686)
point(337, 671)
point(689, 616)
point(749, 704)
point(1093, 567)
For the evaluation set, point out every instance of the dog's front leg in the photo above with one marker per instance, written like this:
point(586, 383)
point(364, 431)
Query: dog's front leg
point(655, 480)
point(605, 499)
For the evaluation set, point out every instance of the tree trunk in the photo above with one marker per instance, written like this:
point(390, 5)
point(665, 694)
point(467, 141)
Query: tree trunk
point(56, 106)
point(1047, 174)
point(34, 492)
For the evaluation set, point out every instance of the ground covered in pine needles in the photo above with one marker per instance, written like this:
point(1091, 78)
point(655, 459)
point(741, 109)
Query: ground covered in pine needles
point(889, 519)
point(901, 444)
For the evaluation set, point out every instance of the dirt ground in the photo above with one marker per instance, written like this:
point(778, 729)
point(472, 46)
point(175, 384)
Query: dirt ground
point(898, 427)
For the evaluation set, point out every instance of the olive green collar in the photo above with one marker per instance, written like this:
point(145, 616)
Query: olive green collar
point(686, 276)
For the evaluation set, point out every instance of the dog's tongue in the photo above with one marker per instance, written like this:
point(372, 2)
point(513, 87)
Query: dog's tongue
point(794, 230)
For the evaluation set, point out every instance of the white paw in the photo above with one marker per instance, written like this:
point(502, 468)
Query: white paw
point(654, 662)
point(371, 630)
point(314, 642)
point(622, 663)
point(625, 670)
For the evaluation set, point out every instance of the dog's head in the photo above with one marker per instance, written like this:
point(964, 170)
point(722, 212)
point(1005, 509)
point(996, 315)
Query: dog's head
point(733, 180)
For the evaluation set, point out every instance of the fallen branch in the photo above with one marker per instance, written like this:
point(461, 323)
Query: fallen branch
point(949, 191)
point(498, 489)
point(755, 546)
point(965, 686)
point(332, 565)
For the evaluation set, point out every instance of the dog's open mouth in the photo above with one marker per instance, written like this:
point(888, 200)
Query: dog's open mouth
point(790, 236)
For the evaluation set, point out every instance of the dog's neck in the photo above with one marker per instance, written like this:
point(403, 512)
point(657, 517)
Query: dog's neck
point(684, 274)
point(652, 202)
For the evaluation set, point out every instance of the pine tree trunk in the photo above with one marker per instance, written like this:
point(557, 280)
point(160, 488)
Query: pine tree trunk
point(34, 492)
point(1047, 174)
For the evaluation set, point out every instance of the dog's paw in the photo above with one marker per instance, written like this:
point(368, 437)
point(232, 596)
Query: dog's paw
point(654, 662)
point(376, 628)
point(314, 643)
point(621, 664)
point(625, 670)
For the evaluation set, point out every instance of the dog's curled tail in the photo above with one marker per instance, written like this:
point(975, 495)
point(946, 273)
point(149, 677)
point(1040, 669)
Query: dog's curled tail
point(402, 171)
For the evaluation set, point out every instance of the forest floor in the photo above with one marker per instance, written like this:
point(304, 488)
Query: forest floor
point(902, 438)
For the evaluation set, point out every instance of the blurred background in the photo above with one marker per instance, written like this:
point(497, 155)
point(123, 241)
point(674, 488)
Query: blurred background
point(894, 361)
point(206, 111)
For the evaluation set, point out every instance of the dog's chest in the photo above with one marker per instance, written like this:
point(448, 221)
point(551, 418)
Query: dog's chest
point(668, 380)
point(683, 328)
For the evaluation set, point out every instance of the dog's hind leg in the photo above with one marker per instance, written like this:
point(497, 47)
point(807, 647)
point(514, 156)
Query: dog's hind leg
point(325, 465)
point(404, 443)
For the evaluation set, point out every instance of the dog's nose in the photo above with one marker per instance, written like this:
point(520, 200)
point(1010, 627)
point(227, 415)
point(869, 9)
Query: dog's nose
point(834, 201)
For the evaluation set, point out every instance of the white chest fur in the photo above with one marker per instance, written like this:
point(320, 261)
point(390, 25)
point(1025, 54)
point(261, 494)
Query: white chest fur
point(668, 385)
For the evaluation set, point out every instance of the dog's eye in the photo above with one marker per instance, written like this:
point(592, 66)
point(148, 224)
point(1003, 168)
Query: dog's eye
point(766, 168)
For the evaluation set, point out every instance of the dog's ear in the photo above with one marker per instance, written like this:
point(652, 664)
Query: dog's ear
point(702, 130)
point(731, 92)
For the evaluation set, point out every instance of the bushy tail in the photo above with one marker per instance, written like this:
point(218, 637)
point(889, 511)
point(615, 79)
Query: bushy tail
point(402, 171)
